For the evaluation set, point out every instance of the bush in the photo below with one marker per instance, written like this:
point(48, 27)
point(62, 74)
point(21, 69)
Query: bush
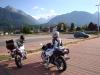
point(27, 30)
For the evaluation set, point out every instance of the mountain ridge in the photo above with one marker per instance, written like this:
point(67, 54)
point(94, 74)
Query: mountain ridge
point(12, 16)
point(16, 16)
point(77, 17)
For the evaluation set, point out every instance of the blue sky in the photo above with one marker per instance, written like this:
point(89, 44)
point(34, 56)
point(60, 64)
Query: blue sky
point(48, 8)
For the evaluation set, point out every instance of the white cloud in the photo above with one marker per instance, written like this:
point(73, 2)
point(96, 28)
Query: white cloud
point(52, 12)
point(45, 13)
point(42, 8)
point(35, 7)
point(38, 8)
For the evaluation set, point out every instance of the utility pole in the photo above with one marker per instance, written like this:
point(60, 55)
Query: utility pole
point(98, 17)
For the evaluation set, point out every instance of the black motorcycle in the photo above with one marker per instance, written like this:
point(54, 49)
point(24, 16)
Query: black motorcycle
point(57, 58)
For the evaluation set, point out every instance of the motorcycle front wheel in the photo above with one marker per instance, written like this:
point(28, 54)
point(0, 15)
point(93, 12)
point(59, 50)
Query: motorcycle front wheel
point(61, 64)
point(18, 61)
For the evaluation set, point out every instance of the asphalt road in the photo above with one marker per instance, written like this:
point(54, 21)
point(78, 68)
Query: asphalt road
point(32, 42)
point(84, 60)
point(34, 38)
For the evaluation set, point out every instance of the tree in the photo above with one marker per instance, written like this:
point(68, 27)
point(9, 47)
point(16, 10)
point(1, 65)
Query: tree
point(72, 27)
point(78, 29)
point(61, 27)
point(27, 29)
point(85, 27)
point(99, 28)
point(92, 27)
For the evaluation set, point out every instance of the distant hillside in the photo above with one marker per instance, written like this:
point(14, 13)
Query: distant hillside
point(77, 17)
point(11, 16)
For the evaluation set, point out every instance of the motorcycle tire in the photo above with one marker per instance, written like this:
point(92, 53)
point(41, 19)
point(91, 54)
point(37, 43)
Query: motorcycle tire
point(18, 61)
point(61, 64)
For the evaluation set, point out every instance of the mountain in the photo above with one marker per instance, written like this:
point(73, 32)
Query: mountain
point(42, 20)
point(96, 14)
point(77, 17)
point(45, 20)
point(12, 16)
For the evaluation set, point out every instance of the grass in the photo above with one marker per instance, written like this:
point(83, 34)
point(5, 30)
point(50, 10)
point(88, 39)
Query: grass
point(4, 57)
point(7, 57)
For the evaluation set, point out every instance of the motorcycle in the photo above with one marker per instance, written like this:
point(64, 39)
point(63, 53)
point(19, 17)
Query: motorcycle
point(54, 56)
point(17, 52)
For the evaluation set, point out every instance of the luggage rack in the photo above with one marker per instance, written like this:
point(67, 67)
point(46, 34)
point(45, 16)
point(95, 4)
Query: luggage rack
point(10, 44)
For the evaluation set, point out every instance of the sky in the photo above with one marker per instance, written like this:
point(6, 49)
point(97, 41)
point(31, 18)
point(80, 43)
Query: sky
point(48, 8)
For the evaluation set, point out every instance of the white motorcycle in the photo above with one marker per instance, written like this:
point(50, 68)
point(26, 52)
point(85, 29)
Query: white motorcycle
point(54, 56)
point(17, 51)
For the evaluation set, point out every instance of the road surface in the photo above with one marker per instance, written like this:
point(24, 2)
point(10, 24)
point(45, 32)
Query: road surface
point(85, 60)
point(33, 41)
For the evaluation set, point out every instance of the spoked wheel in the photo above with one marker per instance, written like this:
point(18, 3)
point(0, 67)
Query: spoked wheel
point(18, 61)
point(61, 64)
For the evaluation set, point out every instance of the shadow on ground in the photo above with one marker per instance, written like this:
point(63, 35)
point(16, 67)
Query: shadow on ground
point(31, 69)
